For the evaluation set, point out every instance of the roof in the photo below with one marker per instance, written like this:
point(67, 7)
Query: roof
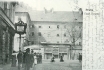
point(61, 16)
point(57, 16)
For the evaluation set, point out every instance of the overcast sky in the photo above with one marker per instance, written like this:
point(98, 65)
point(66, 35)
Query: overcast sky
point(58, 5)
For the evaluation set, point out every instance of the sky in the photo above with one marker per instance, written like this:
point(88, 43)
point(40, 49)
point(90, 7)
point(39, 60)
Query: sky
point(57, 5)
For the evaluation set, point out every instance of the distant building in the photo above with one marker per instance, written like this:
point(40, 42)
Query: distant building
point(7, 30)
point(50, 29)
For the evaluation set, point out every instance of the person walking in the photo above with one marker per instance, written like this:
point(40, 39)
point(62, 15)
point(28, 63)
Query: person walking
point(19, 57)
point(3, 58)
point(24, 63)
point(61, 58)
point(32, 58)
point(52, 59)
point(79, 57)
point(35, 59)
point(27, 59)
point(40, 58)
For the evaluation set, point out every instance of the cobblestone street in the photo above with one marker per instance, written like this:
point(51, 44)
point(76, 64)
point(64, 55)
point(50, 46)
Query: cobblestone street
point(73, 65)
point(47, 65)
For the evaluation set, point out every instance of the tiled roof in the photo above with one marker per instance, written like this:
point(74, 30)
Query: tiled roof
point(58, 16)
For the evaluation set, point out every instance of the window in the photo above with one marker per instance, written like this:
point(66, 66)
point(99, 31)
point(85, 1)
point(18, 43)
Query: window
point(79, 26)
point(79, 43)
point(32, 42)
point(58, 26)
point(64, 35)
point(57, 35)
point(39, 33)
point(57, 41)
point(66, 41)
point(39, 26)
point(65, 26)
point(49, 26)
point(32, 26)
point(32, 33)
point(48, 35)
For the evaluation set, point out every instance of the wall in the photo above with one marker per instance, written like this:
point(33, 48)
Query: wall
point(49, 32)
point(6, 32)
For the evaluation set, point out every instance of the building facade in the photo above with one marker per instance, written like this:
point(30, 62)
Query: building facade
point(7, 30)
point(55, 32)
point(59, 32)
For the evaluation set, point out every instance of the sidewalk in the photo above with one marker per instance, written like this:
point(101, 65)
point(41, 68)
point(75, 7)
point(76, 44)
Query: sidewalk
point(57, 65)
point(7, 67)
point(74, 64)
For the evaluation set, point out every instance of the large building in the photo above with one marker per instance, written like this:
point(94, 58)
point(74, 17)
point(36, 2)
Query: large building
point(59, 32)
point(55, 32)
point(7, 30)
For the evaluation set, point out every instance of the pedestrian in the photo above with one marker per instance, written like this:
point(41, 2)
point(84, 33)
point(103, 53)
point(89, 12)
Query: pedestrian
point(19, 57)
point(6, 60)
point(61, 58)
point(27, 59)
point(24, 56)
point(52, 60)
point(35, 59)
point(3, 58)
point(41, 58)
point(79, 57)
point(32, 58)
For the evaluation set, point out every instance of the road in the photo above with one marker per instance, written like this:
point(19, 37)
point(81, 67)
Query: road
point(57, 65)
point(71, 65)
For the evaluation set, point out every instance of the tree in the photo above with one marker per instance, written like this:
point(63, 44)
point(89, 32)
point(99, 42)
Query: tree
point(74, 32)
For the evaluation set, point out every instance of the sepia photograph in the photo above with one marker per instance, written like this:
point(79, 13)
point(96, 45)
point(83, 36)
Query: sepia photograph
point(41, 35)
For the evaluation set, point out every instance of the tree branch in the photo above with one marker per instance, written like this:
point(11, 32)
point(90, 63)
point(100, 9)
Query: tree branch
point(69, 33)
point(79, 35)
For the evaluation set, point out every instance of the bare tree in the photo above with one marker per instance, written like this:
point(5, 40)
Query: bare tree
point(74, 34)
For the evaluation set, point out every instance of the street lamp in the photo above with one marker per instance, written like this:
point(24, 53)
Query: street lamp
point(20, 29)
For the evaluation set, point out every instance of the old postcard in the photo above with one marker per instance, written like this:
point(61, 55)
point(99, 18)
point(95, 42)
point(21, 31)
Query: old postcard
point(51, 35)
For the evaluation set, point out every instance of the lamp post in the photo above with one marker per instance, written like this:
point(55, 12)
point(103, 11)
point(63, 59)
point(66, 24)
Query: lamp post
point(20, 29)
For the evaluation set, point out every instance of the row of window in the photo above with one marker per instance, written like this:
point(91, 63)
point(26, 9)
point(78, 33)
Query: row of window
point(50, 26)
point(32, 26)
point(40, 34)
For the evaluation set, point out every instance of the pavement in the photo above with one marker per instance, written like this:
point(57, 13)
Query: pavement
point(47, 65)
